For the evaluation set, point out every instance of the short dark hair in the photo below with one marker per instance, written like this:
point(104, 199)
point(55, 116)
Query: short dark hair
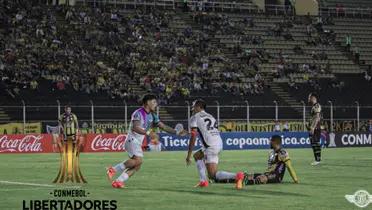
point(200, 103)
point(148, 97)
point(277, 138)
point(67, 106)
point(314, 95)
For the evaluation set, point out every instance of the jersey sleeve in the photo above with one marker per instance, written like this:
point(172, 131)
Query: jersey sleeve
point(136, 116)
point(283, 156)
point(60, 119)
point(193, 122)
point(317, 108)
point(75, 117)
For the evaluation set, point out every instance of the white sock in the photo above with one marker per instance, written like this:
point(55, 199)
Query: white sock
point(200, 165)
point(123, 177)
point(120, 167)
point(224, 175)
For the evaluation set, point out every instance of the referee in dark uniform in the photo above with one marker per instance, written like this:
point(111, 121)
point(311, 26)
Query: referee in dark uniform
point(314, 127)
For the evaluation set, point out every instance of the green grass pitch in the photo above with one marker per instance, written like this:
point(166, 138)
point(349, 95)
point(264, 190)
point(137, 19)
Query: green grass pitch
point(165, 182)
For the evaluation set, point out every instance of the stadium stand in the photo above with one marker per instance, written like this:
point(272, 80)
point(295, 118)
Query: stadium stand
point(108, 54)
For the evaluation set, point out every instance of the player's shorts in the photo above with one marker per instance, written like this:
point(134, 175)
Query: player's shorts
point(133, 147)
point(315, 138)
point(211, 154)
point(70, 138)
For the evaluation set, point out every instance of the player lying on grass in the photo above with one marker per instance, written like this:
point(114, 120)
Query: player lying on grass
point(143, 121)
point(205, 125)
point(278, 161)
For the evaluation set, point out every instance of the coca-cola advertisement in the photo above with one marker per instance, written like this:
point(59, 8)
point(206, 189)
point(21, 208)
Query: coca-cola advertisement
point(30, 143)
point(104, 142)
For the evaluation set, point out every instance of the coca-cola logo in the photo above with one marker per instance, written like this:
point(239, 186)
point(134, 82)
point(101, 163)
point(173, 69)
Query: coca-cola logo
point(104, 143)
point(22, 143)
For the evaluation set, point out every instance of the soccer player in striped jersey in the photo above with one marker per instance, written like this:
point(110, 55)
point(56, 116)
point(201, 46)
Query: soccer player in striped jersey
point(277, 163)
point(314, 127)
point(68, 122)
point(205, 126)
point(142, 123)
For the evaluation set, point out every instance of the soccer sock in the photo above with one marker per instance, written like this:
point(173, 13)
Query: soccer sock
point(316, 151)
point(120, 167)
point(123, 177)
point(200, 165)
point(319, 152)
point(225, 177)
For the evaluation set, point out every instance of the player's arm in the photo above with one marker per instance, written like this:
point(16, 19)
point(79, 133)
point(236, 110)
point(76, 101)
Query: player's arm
point(171, 130)
point(292, 172)
point(60, 124)
point(76, 123)
point(191, 145)
point(138, 129)
point(166, 128)
point(284, 156)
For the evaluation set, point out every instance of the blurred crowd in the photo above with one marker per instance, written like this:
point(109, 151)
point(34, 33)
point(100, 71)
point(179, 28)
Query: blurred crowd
point(107, 50)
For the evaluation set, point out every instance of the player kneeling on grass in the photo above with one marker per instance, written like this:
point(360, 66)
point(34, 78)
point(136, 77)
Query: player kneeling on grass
point(205, 125)
point(277, 163)
point(142, 123)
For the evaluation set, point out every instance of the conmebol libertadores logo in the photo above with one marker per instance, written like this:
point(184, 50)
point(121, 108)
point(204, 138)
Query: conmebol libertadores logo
point(361, 198)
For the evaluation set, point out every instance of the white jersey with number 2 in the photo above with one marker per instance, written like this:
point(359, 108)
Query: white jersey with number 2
point(207, 127)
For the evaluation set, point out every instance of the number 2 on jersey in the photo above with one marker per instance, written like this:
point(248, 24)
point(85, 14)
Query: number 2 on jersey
point(209, 123)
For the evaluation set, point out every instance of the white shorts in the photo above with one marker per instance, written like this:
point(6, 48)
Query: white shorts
point(133, 147)
point(211, 154)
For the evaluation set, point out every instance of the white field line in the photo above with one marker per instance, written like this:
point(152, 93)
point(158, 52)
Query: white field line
point(35, 184)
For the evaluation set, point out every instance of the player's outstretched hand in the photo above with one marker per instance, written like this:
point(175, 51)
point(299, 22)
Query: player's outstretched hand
point(188, 161)
point(154, 136)
point(183, 133)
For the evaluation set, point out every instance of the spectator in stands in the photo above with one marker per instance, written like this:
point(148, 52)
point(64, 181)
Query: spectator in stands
point(287, 35)
point(356, 55)
point(348, 41)
point(298, 50)
point(309, 29)
point(34, 84)
point(185, 7)
point(367, 76)
point(285, 126)
point(277, 126)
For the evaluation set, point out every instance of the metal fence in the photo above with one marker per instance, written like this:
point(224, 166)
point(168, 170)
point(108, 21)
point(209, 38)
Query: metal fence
point(195, 5)
point(353, 12)
point(245, 117)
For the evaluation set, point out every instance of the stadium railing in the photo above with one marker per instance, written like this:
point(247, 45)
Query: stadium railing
point(207, 6)
point(346, 12)
point(230, 117)
point(132, 3)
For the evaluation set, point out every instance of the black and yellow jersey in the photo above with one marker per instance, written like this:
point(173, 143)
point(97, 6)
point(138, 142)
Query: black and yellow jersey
point(69, 123)
point(277, 163)
point(316, 108)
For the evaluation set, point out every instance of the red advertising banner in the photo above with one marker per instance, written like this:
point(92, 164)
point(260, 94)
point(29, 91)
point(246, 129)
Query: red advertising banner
point(29, 143)
point(43, 143)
